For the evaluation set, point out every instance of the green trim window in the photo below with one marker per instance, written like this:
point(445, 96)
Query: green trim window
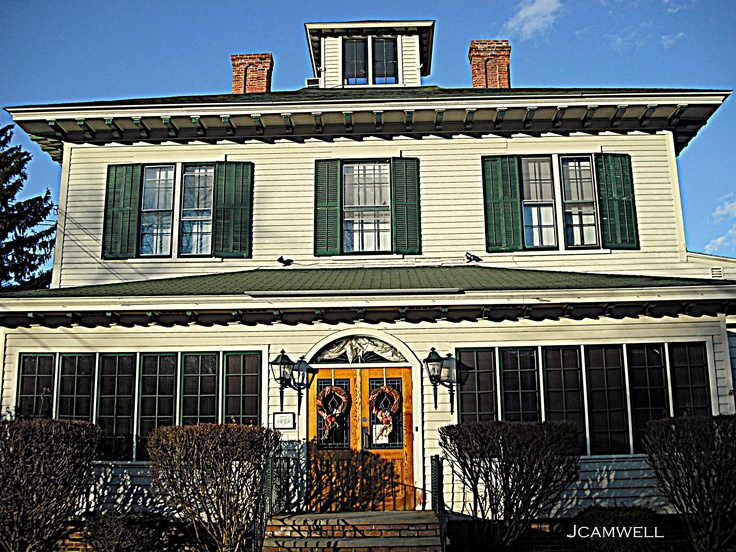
point(609, 392)
point(563, 381)
point(367, 206)
point(115, 405)
point(370, 60)
point(214, 218)
point(477, 386)
point(690, 385)
point(35, 386)
point(520, 384)
point(242, 387)
point(156, 402)
point(607, 406)
point(76, 382)
point(540, 202)
point(199, 389)
point(648, 389)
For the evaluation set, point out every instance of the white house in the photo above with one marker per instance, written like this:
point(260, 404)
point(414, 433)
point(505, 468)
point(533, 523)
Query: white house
point(536, 235)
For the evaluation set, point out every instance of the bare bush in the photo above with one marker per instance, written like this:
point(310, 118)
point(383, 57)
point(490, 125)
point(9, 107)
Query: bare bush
point(694, 461)
point(514, 471)
point(210, 476)
point(128, 532)
point(45, 468)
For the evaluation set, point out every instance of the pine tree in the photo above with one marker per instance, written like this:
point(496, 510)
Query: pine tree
point(23, 248)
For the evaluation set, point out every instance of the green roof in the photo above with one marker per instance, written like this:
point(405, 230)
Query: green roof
point(465, 278)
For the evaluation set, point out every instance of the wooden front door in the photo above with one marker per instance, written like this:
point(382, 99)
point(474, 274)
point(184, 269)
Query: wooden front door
point(361, 454)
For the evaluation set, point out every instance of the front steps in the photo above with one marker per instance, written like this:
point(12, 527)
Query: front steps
point(409, 531)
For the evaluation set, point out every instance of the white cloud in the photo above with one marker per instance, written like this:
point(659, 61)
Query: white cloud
point(632, 37)
point(533, 18)
point(724, 211)
point(668, 41)
point(674, 6)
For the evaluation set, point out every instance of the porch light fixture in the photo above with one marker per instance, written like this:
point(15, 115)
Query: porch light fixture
point(295, 375)
point(441, 371)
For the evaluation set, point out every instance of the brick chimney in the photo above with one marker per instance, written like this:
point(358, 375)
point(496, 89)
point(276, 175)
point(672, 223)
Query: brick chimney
point(252, 73)
point(489, 63)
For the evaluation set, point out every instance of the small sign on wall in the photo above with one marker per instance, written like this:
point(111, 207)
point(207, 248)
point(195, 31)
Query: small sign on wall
point(284, 420)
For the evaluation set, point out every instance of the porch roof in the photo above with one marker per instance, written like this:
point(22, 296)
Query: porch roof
point(371, 295)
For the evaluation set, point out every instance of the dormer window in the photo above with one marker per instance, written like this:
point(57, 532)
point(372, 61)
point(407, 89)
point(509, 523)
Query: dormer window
point(370, 60)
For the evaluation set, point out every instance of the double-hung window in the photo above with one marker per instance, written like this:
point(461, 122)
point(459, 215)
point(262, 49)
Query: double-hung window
point(559, 201)
point(213, 217)
point(370, 60)
point(367, 206)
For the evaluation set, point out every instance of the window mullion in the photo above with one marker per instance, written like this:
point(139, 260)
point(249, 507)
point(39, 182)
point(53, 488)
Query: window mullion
point(369, 60)
point(627, 394)
point(540, 362)
point(584, 376)
point(177, 206)
point(668, 374)
point(55, 390)
point(559, 202)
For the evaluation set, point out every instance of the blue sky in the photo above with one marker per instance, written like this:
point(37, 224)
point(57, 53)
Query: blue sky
point(62, 51)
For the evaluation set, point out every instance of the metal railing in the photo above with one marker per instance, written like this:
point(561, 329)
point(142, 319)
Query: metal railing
point(438, 495)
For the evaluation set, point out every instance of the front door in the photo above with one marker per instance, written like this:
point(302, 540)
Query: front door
point(361, 440)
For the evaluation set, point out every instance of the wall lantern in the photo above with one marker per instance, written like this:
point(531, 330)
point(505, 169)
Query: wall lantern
point(295, 375)
point(441, 371)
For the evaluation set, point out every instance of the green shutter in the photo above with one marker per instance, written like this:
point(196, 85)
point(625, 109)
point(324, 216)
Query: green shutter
point(502, 203)
point(327, 207)
point(122, 212)
point(616, 195)
point(233, 209)
point(405, 219)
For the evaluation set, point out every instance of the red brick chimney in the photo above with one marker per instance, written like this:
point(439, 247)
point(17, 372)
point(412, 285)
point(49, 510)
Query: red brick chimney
point(252, 73)
point(489, 63)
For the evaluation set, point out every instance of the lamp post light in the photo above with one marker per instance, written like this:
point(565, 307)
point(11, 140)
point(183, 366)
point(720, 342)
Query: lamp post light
point(295, 375)
point(441, 371)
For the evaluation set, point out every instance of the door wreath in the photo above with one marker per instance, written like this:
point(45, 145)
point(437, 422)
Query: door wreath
point(332, 417)
point(385, 417)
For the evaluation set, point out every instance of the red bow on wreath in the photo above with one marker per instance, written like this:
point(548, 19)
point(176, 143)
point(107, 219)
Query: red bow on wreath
point(385, 417)
point(331, 417)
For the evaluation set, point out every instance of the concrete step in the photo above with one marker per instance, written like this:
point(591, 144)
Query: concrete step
point(396, 531)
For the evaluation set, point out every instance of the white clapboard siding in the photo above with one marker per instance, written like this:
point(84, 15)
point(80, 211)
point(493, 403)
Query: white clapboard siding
point(452, 215)
point(414, 341)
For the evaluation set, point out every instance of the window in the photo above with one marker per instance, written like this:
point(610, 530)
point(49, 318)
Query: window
point(609, 392)
point(196, 210)
point(115, 410)
point(158, 381)
point(75, 387)
point(520, 385)
point(36, 383)
point(367, 206)
point(214, 219)
point(647, 388)
point(199, 393)
point(242, 383)
point(157, 210)
point(564, 388)
point(538, 203)
point(527, 197)
point(129, 394)
point(371, 60)
point(477, 385)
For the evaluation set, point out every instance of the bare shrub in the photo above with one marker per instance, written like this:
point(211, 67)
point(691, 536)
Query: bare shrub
point(210, 476)
point(45, 468)
point(514, 471)
point(694, 461)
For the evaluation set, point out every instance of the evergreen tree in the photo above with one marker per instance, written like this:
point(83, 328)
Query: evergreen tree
point(23, 248)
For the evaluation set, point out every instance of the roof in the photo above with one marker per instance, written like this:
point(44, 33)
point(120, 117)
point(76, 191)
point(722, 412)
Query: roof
point(358, 113)
point(371, 295)
point(415, 279)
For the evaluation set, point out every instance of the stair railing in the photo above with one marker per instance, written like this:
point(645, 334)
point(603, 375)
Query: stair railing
point(438, 495)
